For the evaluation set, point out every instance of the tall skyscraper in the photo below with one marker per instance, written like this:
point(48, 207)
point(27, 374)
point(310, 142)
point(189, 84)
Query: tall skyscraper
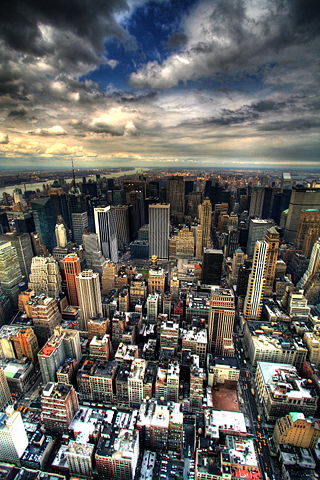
point(93, 254)
point(313, 267)
point(121, 220)
point(203, 232)
point(159, 225)
point(212, 266)
point(257, 230)
point(44, 220)
point(106, 230)
point(45, 276)
point(22, 244)
point(72, 268)
point(79, 215)
point(301, 199)
point(256, 284)
point(256, 202)
point(13, 436)
point(221, 321)
point(273, 240)
point(308, 230)
point(175, 195)
point(61, 234)
point(88, 285)
point(10, 273)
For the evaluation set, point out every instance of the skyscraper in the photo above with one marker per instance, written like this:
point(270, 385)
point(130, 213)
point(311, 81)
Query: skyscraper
point(121, 220)
point(5, 396)
point(13, 436)
point(72, 268)
point(106, 230)
point(313, 267)
point(221, 321)
point(45, 276)
point(44, 220)
point(93, 254)
point(159, 225)
point(203, 238)
point(22, 244)
point(212, 266)
point(10, 273)
point(257, 230)
point(61, 234)
point(308, 230)
point(88, 285)
point(256, 202)
point(301, 199)
point(175, 195)
point(273, 240)
point(256, 284)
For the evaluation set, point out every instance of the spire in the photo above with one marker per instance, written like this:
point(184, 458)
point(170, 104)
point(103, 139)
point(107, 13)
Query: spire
point(73, 176)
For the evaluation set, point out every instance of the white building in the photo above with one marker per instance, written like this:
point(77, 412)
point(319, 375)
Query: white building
point(13, 437)
point(104, 221)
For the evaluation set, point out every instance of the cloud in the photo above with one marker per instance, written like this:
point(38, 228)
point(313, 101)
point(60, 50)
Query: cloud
point(232, 37)
point(54, 130)
point(4, 138)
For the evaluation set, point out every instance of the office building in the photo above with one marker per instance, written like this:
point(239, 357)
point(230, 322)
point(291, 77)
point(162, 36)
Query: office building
point(22, 244)
point(121, 221)
point(96, 380)
point(100, 347)
point(13, 436)
point(117, 456)
point(181, 245)
point(159, 225)
point(105, 225)
point(295, 429)
point(71, 264)
point(108, 277)
point(153, 307)
point(222, 370)
point(203, 231)
point(59, 403)
point(93, 254)
point(221, 321)
point(17, 342)
point(45, 315)
point(169, 335)
point(280, 391)
point(301, 199)
point(80, 455)
point(44, 219)
point(63, 344)
point(257, 231)
point(197, 378)
point(60, 233)
point(308, 230)
point(156, 280)
point(90, 303)
point(194, 340)
point(256, 284)
point(79, 225)
point(273, 240)
point(45, 277)
point(212, 266)
point(136, 381)
point(298, 305)
point(10, 273)
point(256, 202)
point(313, 266)
point(175, 195)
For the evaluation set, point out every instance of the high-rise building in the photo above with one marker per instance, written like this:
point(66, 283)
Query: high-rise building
point(256, 284)
point(13, 436)
point(295, 429)
point(72, 268)
point(203, 233)
point(61, 234)
point(238, 260)
point(301, 199)
point(313, 267)
point(79, 454)
point(79, 215)
point(175, 195)
point(221, 321)
point(90, 302)
point(59, 403)
point(136, 381)
point(212, 266)
point(156, 279)
point(121, 220)
point(44, 220)
point(257, 230)
point(308, 230)
point(273, 240)
point(159, 224)
point(45, 277)
point(182, 244)
point(104, 220)
point(22, 244)
point(256, 202)
point(18, 341)
point(10, 273)
point(64, 343)
point(169, 335)
point(45, 315)
point(93, 254)
point(5, 396)
point(153, 306)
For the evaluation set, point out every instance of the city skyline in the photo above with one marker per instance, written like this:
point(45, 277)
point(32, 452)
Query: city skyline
point(166, 83)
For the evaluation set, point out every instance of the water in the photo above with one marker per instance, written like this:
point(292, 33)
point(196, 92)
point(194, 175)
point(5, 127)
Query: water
point(38, 185)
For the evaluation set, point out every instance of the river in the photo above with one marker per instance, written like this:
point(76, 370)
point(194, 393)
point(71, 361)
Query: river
point(38, 185)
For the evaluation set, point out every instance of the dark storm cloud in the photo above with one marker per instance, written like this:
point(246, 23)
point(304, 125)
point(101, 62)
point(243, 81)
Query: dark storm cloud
point(298, 124)
point(177, 40)
point(18, 112)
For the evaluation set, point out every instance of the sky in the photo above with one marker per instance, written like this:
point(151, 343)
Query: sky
point(172, 83)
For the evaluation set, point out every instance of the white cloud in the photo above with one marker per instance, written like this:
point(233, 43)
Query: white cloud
point(4, 138)
point(55, 130)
